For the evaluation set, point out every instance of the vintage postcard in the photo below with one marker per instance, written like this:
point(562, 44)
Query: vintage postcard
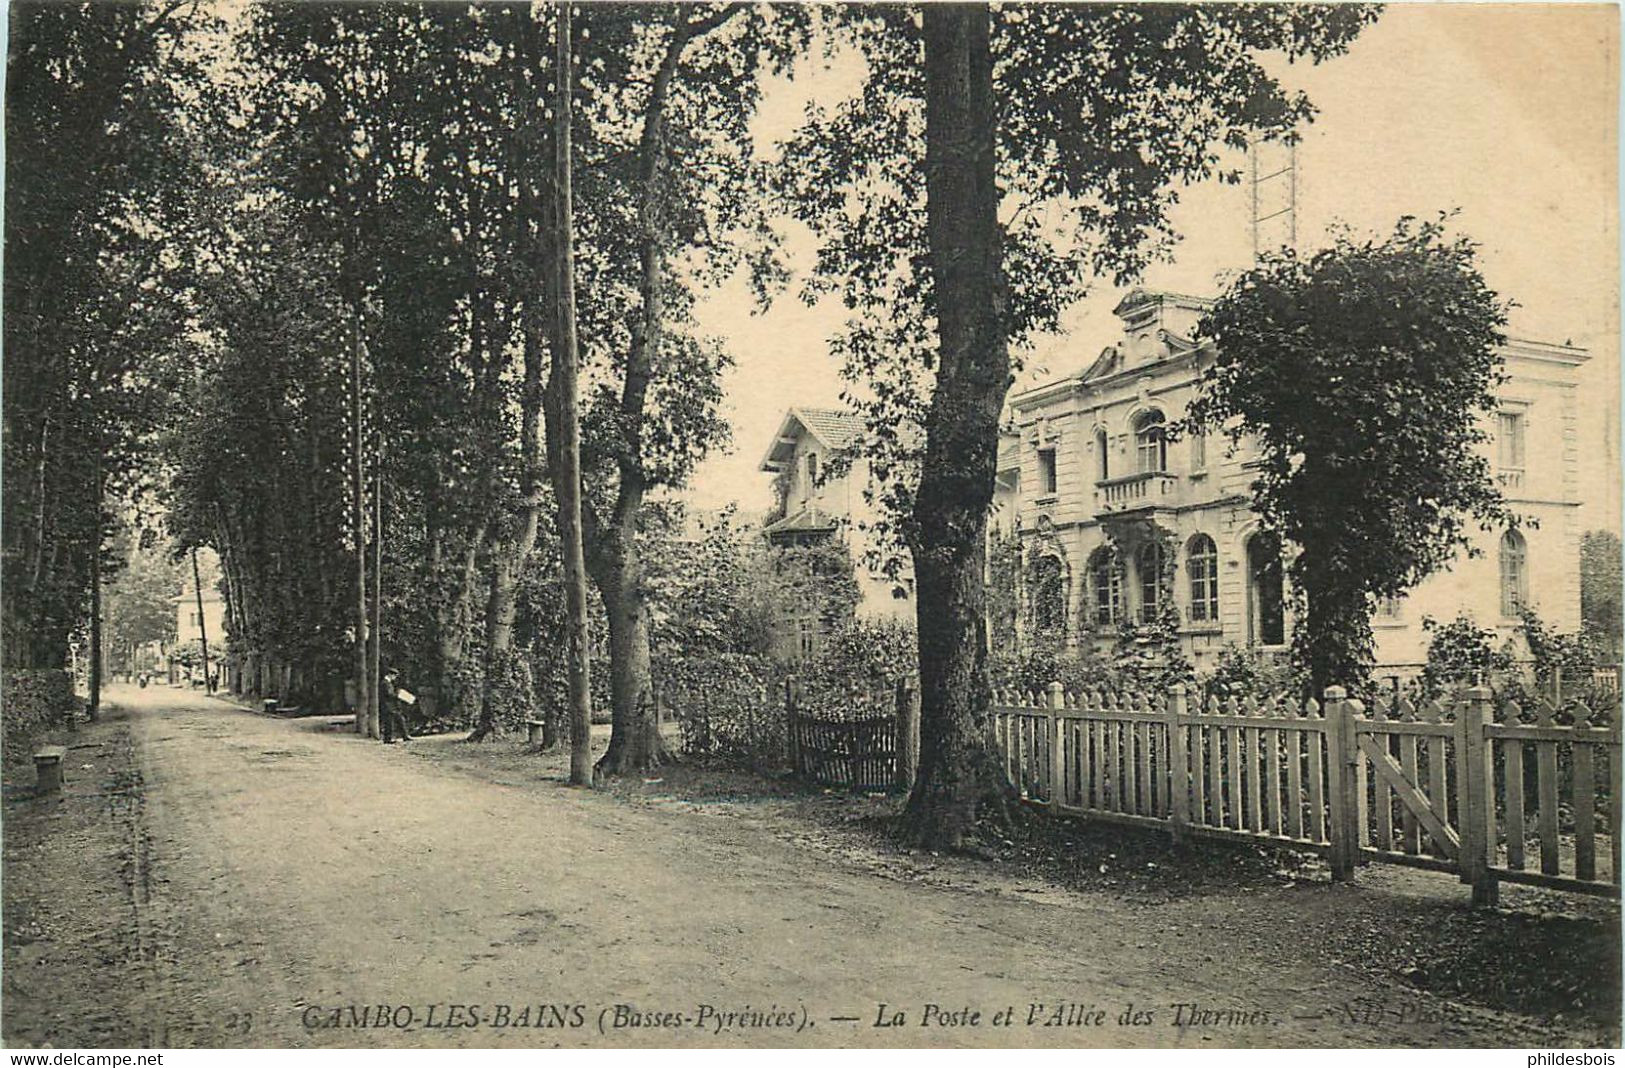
point(711, 525)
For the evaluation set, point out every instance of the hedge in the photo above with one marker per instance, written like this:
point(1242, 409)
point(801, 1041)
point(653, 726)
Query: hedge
point(32, 700)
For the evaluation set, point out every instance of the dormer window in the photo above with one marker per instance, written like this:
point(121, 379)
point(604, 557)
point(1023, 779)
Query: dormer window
point(1151, 443)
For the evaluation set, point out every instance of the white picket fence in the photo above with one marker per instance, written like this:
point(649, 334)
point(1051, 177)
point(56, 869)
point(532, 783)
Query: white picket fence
point(1440, 785)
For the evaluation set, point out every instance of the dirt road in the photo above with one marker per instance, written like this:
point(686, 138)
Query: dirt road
point(215, 877)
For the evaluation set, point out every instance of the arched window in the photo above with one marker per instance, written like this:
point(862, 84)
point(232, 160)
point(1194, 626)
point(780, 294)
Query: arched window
point(1101, 458)
point(1049, 595)
point(1266, 610)
point(1151, 443)
point(1202, 564)
point(812, 472)
point(1104, 587)
point(1148, 562)
point(1514, 573)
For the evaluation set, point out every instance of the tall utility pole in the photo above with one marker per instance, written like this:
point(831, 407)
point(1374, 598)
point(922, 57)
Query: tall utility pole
point(376, 636)
point(203, 624)
point(94, 705)
point(364, 725)
point(564, 395)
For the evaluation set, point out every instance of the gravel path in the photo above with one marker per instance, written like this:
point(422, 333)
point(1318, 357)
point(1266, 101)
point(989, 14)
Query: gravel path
point(214, 877)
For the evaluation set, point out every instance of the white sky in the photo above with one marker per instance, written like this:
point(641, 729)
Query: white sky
point(1507, 112)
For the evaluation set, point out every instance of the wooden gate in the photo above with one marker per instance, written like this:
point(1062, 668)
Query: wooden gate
point(855, 753)
point(1465, 777)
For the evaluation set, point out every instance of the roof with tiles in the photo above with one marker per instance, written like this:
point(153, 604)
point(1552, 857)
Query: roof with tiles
point(833, 427)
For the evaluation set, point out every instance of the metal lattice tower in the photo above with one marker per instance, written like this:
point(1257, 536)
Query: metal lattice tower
point(1273, 172)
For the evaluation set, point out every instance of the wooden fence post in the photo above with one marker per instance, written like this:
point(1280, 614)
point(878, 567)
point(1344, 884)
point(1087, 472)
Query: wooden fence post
point(1341, 755)
point(1477, 773)
point(791, 742)
point(908, 734)
point(1178, 770)
point(1055, 794)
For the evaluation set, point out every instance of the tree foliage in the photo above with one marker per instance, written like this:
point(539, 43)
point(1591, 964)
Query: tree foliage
point(140, 601)
point(99, 171)
point(1103, 113)
point(1600, 585)
point(960, 204)
point(1363, 372)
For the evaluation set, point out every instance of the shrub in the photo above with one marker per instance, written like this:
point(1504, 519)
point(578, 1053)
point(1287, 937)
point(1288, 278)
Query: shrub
point(35, 700)
point(727, 707)
point(1461, 653)
point(1558, 656)
point(855, 675)
point(1245, 671)
point(1035, 668)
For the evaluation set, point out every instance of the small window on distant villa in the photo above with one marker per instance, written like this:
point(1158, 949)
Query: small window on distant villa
point(1514, 574)
point(1388, 608)
point(1047, 484)
point(1103, 584)
point(1149, 563)
point(1198, 451)
point(812, 470)
point(1049, 595)
point(1100, 454)
point(807, 636)
point(1202, 561)
point(1151, 443)
point(1509, 441)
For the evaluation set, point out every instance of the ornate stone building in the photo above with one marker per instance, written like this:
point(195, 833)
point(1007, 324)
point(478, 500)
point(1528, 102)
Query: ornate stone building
point(1107, 503)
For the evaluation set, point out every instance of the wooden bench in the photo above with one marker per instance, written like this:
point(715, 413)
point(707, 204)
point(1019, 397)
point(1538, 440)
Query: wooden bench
point(48, 768)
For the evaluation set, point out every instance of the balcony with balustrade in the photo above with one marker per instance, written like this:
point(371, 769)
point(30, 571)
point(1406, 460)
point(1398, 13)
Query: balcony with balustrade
point(1142, 491)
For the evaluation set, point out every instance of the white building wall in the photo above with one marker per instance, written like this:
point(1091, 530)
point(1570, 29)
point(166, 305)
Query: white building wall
point(187, 628)
point(1217, 499)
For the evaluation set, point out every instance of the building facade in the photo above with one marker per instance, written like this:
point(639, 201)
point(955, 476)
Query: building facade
point(824, 490)
point(1107, 503)
point(819, 501)
point(191, 626)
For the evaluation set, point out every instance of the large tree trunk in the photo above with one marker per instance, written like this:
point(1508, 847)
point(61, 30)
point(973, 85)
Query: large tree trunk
point(959, 778)
point(1334, 640)
point(635, 743)
point(566, 457)
point(502, 676)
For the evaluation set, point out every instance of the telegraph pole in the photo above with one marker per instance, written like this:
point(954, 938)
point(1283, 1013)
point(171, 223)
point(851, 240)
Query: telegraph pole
point(376, 638)
point(358, 516)
point(203, 624)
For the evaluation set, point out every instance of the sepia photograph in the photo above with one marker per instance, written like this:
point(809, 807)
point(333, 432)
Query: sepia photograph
point(712, 525)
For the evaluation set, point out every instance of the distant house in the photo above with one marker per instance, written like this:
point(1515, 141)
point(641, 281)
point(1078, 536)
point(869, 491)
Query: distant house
point(818, 501)
point(190, 627)
point(1104, 493)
